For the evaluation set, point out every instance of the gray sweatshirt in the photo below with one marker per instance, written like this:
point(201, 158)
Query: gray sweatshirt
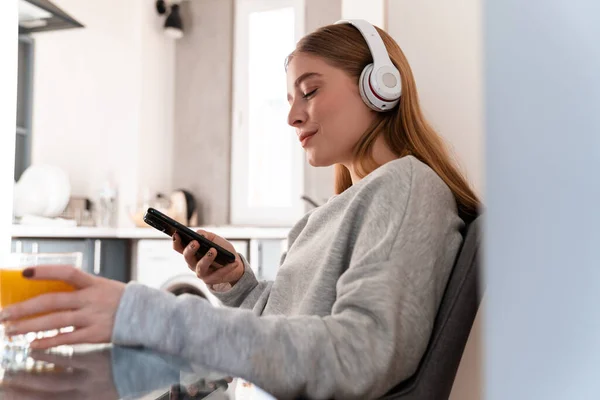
point(351, 310)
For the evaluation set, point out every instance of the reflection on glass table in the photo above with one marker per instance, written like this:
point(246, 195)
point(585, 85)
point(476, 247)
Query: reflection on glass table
point(110, 373)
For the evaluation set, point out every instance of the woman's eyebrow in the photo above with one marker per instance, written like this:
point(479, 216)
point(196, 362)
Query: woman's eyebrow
point(305, 76)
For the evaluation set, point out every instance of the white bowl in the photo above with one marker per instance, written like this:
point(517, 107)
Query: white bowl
point(42, 190)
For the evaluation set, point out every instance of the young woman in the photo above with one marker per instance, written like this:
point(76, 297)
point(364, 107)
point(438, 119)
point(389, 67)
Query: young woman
point(351, 310)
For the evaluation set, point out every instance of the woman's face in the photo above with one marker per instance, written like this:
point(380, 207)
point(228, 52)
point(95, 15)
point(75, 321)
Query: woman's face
point(326, 111)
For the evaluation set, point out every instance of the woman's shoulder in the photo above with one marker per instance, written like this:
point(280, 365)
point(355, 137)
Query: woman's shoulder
point(410, 190)
point(406, 177)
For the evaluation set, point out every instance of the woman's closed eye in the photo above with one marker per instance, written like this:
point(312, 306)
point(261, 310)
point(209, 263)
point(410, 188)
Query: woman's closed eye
point(309, 94)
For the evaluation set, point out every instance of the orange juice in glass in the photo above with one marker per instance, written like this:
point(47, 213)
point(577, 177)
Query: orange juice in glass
point(15, 289)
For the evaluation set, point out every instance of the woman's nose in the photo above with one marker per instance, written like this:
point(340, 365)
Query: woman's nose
point(296, 117)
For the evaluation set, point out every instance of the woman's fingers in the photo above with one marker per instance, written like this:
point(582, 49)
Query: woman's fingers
point(177, 245)
point(222, 275)
point(48, 322)
point(203, 265)
point(90, 310)
point(189, 253)
point(41, 305)
point(83, 335)
point(209, 235)
point(68, 274)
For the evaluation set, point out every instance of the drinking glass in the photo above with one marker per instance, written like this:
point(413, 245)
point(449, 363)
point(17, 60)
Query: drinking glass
point(14, 288)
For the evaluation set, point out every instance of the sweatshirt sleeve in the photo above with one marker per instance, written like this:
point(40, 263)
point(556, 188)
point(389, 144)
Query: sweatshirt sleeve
point(376, 334)
point(246, 292)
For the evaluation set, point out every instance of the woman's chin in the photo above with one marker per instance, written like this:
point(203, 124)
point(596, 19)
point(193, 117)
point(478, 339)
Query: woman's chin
point(315, 161)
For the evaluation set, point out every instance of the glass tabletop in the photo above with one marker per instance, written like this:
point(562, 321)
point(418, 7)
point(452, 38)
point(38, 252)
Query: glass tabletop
point(110, 373)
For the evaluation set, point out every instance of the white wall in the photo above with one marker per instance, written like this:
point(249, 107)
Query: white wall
point(156, 134)
point(8, 112)
point(371, 10)
point(203, 102)
point(103, 99)
point(443, 43)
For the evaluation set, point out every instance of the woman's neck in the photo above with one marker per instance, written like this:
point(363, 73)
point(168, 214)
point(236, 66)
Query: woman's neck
point(382, 154)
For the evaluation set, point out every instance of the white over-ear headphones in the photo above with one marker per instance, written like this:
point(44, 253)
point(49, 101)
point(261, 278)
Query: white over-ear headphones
point(379, 84)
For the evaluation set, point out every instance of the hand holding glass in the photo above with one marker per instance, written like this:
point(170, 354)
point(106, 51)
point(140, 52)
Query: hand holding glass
point(15, 288)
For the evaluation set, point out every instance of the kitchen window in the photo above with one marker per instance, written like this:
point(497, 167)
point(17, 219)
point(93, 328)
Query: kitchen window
point(267, 161)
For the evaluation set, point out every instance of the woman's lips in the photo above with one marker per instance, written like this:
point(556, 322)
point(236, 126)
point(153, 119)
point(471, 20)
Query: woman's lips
point(305, 137)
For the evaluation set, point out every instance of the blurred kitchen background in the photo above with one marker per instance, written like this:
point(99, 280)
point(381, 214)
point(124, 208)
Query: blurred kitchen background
point(181, 105)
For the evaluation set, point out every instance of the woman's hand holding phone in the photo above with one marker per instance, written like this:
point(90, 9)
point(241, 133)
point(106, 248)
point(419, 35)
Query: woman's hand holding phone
point(218, 277)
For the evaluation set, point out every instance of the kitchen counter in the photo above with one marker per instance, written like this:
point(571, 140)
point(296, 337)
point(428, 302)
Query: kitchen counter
point(132, 253)
point(229, 232)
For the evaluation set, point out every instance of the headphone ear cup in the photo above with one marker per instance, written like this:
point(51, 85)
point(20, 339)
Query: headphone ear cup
point(363, 87)
point(370, 98)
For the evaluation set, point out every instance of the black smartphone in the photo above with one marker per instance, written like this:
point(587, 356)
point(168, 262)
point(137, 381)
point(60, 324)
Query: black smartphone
point(169, 226)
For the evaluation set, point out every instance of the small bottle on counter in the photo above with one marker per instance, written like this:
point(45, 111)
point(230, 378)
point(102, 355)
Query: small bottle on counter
point(107, 206)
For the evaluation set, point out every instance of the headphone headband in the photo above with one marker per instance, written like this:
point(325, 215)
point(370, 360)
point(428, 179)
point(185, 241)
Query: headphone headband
point(374, 41)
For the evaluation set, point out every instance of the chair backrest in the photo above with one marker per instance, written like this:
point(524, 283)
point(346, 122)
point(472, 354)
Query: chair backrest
point(435, 375)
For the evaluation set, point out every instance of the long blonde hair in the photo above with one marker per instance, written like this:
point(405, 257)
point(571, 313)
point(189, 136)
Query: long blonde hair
point(405, 129)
